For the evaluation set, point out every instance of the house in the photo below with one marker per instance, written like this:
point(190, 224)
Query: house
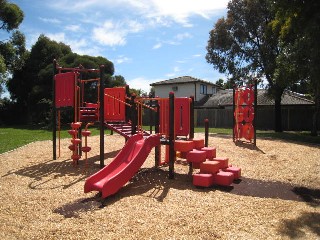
point(224, 99)
point(186, 86)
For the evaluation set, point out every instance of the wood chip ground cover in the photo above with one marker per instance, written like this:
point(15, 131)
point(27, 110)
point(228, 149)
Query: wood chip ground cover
point(43, 199)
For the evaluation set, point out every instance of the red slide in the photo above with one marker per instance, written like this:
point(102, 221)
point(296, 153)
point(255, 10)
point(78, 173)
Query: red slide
point(123, 167)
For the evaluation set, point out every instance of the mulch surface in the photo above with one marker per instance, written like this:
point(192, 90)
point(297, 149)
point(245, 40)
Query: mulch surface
point(277, 197)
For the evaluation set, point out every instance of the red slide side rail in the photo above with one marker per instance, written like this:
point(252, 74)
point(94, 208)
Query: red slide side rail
point(112, 177)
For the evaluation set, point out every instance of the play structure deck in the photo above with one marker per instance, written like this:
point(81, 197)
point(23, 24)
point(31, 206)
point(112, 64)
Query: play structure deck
point(122, 113)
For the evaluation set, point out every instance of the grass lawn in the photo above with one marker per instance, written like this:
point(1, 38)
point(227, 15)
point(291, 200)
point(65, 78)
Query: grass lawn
point(16, 136)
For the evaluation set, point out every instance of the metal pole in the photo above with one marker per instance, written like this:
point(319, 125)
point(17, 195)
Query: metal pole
point(206, 132)
point(233, 110)
point(255, 111)
point(54, 113)
point(171, 136)
point(157, 150)
point(191, 118)
point(101, 116)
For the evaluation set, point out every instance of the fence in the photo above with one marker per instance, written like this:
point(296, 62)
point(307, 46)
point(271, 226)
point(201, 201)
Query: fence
point(293, 118)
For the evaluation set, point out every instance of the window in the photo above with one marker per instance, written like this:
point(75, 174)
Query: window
point(214, 90)
point(203, 89)
point(175, 88)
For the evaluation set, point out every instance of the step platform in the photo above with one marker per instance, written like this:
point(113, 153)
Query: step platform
point(223, 161)
point(235, 170)
point(209, 167)
point(222, 178)
point(211, 152)
point(202, 179)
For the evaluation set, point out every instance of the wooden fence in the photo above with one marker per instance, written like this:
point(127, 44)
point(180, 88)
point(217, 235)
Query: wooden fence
point(293, 118)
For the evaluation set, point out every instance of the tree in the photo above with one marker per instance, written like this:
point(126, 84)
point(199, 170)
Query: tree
point(31, 86)
point(220, 82)
point(298, 24)
point(243, 46)
point(12, 50)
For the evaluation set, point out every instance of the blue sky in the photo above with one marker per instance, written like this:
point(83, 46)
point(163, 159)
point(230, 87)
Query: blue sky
point(147, 40)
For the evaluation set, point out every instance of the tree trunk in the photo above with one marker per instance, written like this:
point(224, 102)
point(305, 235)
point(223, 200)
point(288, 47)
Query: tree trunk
point(277, 114)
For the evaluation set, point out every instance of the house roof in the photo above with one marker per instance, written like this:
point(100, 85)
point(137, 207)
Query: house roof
point(181, 80)
point(225, 98)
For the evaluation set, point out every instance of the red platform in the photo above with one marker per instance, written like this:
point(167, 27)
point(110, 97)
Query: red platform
point(196, 156)
point(223, 178)
point(223, 161)
point(202, 179)
point(235, 170)
point(209, 167)
point(198, 143)
point(183, 146)
point(211, 152)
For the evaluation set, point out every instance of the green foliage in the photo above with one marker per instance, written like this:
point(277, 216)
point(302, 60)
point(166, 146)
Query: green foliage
point(240, 45)
point(12, 50)
point(298, 25)
point(10, 15)
point(244, 46)
point(31, 86)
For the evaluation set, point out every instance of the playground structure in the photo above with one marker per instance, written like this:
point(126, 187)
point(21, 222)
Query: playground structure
point(121, 113)
point(245, 110)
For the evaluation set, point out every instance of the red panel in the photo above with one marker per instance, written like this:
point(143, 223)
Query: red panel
point(114, 107)
point(164, 116)
point(64, 89)
point(182, 116)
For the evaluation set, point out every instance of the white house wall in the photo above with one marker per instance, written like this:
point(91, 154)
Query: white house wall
point(184, 90)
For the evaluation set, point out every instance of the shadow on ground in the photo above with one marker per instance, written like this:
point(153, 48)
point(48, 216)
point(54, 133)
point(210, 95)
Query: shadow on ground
point(154, 183)
point(45, 172)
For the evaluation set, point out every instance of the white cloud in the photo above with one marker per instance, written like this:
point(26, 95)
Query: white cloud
point(122, 59)
point(158, 45)
point(181, 10)
point(50, 20)
point(113, 33)
point(58, 37)
point(156, 10)
point(73, 28)
point(176, 70)
point(141, 83)
point(81, 46)
point(182, 36)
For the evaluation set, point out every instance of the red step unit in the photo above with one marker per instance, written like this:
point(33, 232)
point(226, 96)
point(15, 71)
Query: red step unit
point(196, 156)
point(202, 179)
point(222, 178)
point(198, 143)
point(209, 167)
point(223, 161)
point(235, 170)
point(211, 152)
point(183, 146)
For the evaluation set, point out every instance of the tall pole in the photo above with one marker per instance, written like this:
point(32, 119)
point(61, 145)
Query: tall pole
point(191, 136)
point(101, 116)
point(206, 132)
point(171, 136)
point(233, 111)
point(54, 113)
point(255, 111)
